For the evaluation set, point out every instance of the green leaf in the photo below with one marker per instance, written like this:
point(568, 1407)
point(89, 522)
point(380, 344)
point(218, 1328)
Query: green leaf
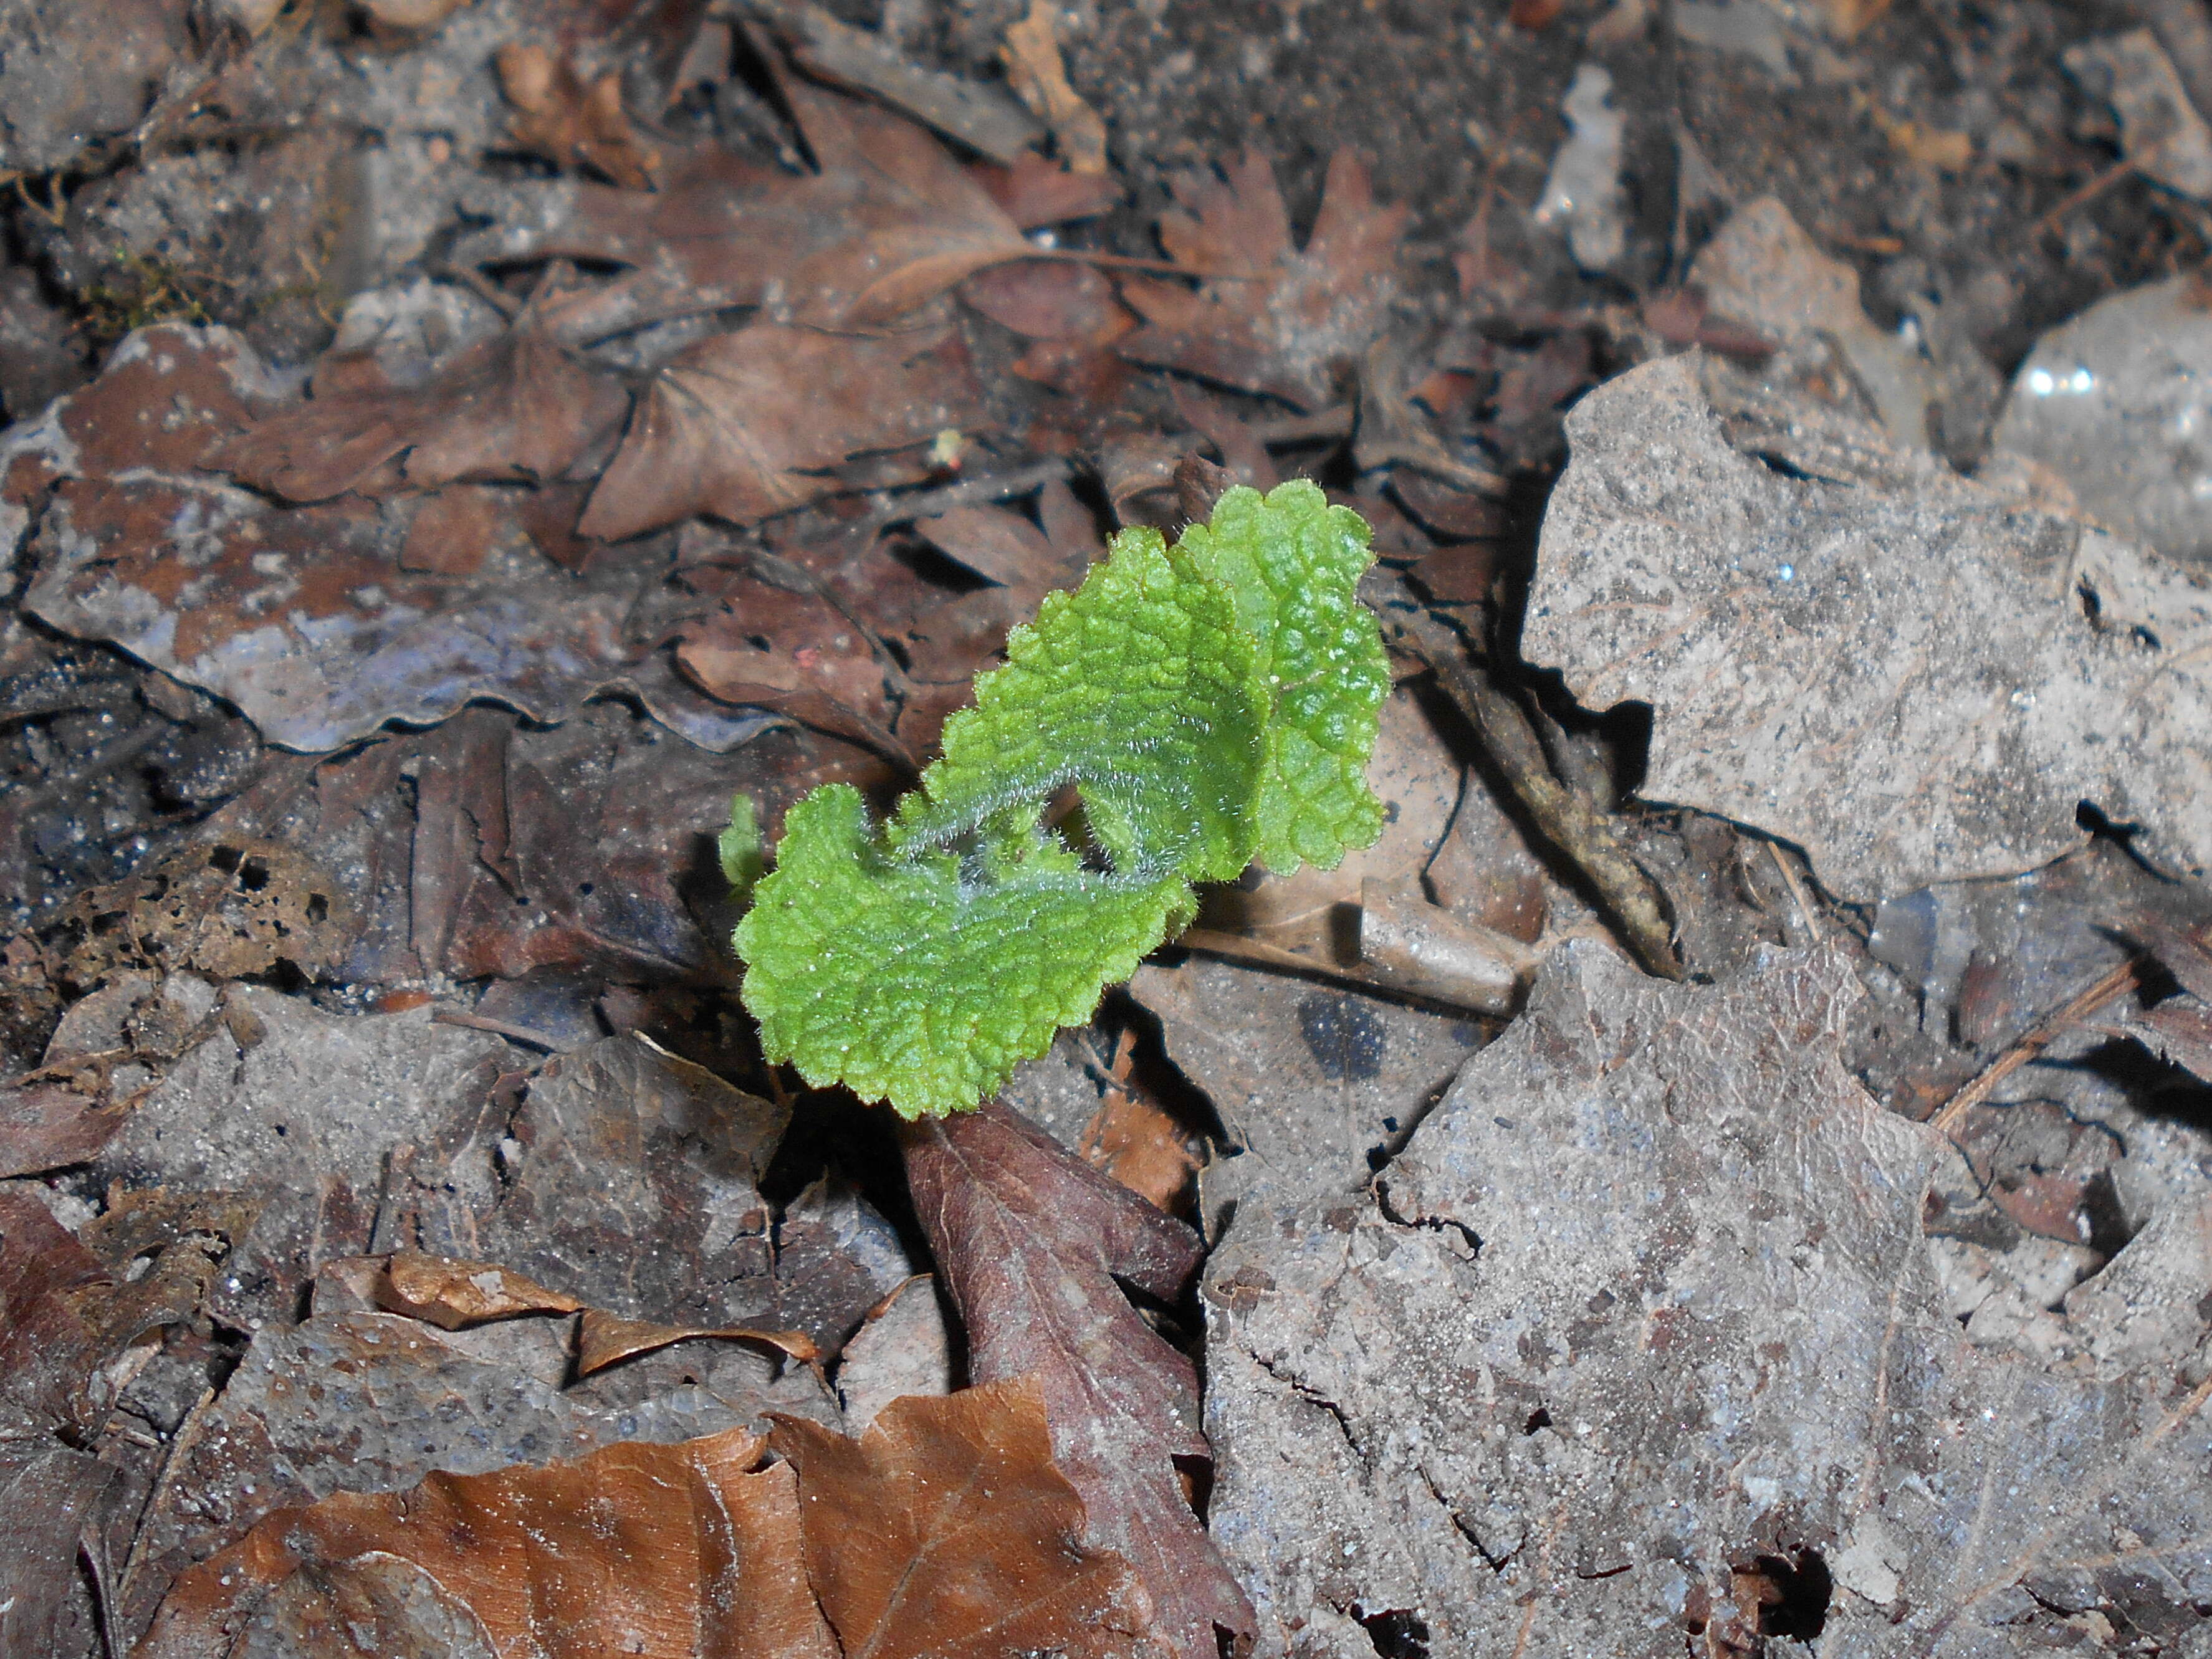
point(1293, 563)
point(915, 981)
point(1141, 689)
point(1209, 702)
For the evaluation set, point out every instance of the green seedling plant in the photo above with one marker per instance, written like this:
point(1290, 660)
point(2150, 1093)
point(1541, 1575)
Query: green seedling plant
point(1210, 703)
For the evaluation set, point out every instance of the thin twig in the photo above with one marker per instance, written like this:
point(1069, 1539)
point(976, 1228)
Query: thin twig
point(2114, 983)
point(1797, 894)
point(521, 1034)
point(1632, 900)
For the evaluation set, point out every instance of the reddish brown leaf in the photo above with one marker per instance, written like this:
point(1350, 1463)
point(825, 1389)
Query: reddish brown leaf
point(946, 1530)
point(46, 1349)
point(44, 1125)
point(1031, 1241)
point(1270, 317)
point(568, 123)
point(49, 1495)
point(742, 425)
point(2179, 1031)
point(516, 406)
point(450, 1294)
point(1003, 547)
point(668, 1552)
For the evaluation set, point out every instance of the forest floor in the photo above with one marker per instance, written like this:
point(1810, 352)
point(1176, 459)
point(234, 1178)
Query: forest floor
point(1728, 1172)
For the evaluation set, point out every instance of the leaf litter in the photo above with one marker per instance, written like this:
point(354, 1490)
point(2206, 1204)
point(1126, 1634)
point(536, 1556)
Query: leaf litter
point(356, 1222)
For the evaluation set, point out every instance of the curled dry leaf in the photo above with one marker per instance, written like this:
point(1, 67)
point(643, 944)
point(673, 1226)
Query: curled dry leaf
point(665, 1552)
point(1031, 1241)
point(301, 615)
point(745, 425)
point(606, 1338)
point(946, 1530)
point(570, 123)
point(1269, 316)
point(450, 1294)
point(44, 1126)
point(516, 406)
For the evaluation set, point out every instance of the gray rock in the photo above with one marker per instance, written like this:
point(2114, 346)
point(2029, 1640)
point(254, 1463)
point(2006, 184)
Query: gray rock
point(1640, 1347)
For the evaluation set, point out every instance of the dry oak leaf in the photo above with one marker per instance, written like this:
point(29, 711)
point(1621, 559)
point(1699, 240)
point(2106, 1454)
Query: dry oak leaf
point(1270, 317)
point(559, 117)
point(1031, 1241)
point(745, 425)
point(666, 1551)
point(945, 1531)
point(887, 222)
point(516, 406)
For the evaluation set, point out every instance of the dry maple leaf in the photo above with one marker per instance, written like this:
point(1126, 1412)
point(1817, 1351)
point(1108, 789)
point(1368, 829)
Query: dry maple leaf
point(660, 1551)
point(1269, 316)
point(559, 118)
point(946, 1531)
point(742, 425)
point(1031, 1241)
point(516, 406)
point(888, 220)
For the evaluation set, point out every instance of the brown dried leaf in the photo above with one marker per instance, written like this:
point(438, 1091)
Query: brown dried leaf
point(946, 1530)
point(1031, 1241)
point(1033, 193)
point(451, 1294)
point(769, 648)
point(659, 1551)
point(47, 1347)
point(44, 1126)
point(300, 616)
point(50, 1496)
point(745, 425)
point(516, 406)
point(1034, 70)
point(1045, 299)
point(888, 222)
point(1270, 317)
point(569, 123)
point(230, 910)
point(606, 1338)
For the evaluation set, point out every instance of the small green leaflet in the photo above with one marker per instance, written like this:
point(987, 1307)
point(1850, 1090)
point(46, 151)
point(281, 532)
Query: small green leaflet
point(1212, 702)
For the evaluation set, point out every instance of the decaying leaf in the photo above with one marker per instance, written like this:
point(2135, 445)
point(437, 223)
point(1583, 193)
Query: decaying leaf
point(745, 425)
point(1029, 1240)
point(1270, 317)
point(560, 116)
point(887, 223)
point(1911, 677)
point(1640, 1343)
point(516, 406)
point(668, 1552)
point(945, 1530)
point(302, 616)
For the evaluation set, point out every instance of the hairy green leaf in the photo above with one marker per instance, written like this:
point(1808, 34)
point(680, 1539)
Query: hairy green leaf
point(1210, 703)
point(1294, 563)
